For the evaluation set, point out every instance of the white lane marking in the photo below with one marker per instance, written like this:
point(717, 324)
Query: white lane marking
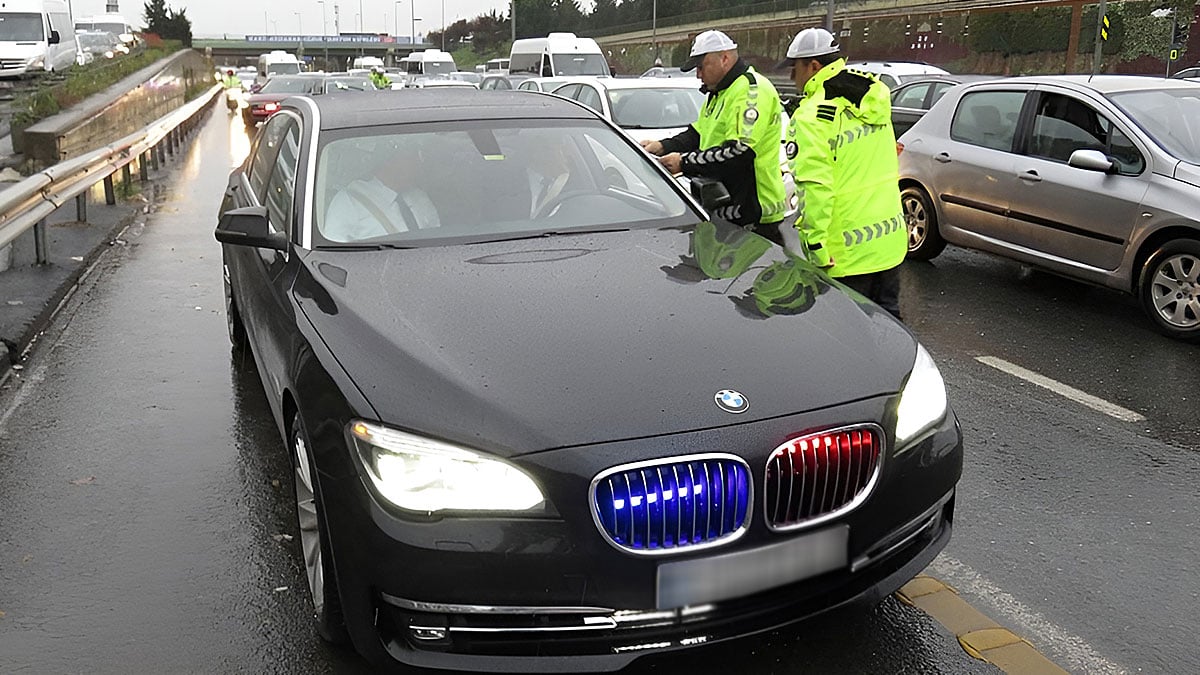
point(27, 386)
point(1080, 656)
point(1064, 390)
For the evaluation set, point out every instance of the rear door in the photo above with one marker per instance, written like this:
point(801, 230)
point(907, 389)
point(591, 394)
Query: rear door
point(1077, 214)
point(972, 163)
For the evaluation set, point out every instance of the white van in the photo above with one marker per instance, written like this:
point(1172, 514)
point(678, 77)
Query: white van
point(275, 63)
point(496, 67)
point(558, 55)
point(367, 62)
point(108, 23)
point(36, 35)
point(430, 62)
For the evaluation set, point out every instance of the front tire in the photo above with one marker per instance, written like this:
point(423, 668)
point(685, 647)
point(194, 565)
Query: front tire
point(924, 240)
point(1170, 289)
point(233, 318)
point(314, 542)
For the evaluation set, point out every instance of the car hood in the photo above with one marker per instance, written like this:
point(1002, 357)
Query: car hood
point(521, 346)
point(640, 135)
point(1188, 173)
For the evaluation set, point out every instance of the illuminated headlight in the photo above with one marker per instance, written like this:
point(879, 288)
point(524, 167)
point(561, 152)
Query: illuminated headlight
point(421, 474)
point(923, 401)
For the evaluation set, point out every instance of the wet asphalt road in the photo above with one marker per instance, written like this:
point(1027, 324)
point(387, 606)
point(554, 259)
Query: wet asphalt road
point(144, 490)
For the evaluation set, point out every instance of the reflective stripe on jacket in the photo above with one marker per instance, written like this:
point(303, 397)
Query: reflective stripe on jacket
point(842, 152)
point(739, 129)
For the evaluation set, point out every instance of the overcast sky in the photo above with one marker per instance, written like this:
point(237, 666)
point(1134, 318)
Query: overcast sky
point(214, 18)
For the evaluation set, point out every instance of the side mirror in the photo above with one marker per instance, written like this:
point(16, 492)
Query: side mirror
point(1091, 160)
point(248, 226)
point(710, 192)
point(55, 38)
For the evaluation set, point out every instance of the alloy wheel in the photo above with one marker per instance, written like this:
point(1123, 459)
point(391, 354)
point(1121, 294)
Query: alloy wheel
point(917, 220)
point(1175, 290)
point(310, 527)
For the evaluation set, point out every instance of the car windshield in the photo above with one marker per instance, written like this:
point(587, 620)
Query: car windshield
point(580, 64)
point(286, 85)
point(90, 40)
point(655, 108)
point(284, 68)
point(439, 67)
point(114, 28)
point(20, 27)
point(413, 185)
point(1170, 116)
point(348, 84)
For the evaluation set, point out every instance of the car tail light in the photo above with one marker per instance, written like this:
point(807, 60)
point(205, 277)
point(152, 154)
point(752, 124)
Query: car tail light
point(817, 477)
point(271, 107)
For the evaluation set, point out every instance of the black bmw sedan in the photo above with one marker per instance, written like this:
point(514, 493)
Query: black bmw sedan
point(543, 413)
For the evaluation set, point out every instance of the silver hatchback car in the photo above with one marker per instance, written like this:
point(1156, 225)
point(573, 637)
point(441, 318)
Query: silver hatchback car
point(1097, 179)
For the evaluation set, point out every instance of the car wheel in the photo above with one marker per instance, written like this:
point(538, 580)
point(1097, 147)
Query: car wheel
point(314, 544)
point(924, 239)
point(233, 318)
point(1170, 289)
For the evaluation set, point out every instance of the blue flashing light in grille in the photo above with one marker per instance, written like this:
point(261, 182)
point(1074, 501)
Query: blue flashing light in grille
point(674, 505)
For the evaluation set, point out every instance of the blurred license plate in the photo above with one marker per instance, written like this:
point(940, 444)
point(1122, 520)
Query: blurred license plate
point(733, 575)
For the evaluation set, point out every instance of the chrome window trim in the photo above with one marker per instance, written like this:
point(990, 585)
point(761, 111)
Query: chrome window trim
point(310, 178)
point(720, 541)
point(848, 507)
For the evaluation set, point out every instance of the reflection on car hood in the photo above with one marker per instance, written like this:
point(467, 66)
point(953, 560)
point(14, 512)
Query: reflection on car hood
point(653, 134)
point(528, 345)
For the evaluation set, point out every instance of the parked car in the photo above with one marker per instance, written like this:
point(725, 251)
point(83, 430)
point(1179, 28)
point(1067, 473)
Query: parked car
point(913, 99)
point(265, 101)
point(1094, 178)
point(503, 82)
point(895, 73)
point(660, 71)
point(648, 109)
point(546, 84)
point(100, 45)
point(467, 76)
point(1193, 72)
point(344, 82)
point(527, 439)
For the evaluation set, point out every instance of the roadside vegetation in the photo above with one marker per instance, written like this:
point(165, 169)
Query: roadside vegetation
point(82, 82)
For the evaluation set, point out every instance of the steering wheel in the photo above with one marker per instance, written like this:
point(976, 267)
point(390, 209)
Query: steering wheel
point(558, 200)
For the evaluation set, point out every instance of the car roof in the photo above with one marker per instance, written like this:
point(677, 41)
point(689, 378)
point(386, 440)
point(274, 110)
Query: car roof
point(638, 82)
point(1107, 84)
point(896, 67)
point(953, 79)
point(450, 104)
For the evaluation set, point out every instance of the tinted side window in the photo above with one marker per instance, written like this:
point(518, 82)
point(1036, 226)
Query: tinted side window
point(281, 186)
point(569, 91)
point(1063, 125)
point(589, 97)
point(939, 90)
point(912, 96)
point(264, 153)
point(988, 119)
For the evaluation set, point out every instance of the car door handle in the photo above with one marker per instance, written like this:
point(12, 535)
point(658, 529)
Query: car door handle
point(943, 157)
point(1030, 175)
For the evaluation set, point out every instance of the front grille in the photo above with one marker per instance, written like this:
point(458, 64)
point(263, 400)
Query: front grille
point(673, 504)
point(819, 476)
point(10, 64)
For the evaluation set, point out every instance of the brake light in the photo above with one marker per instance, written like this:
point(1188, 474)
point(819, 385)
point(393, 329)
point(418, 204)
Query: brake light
point(271, 107)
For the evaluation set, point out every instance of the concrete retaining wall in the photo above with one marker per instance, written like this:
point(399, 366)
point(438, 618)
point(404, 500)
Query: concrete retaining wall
point(118, 111)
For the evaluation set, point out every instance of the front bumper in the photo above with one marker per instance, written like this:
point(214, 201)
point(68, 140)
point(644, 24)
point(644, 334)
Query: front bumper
point(547, 593)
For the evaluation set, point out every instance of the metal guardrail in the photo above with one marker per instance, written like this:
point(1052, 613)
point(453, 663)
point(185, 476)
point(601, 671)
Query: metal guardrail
point(28, 203)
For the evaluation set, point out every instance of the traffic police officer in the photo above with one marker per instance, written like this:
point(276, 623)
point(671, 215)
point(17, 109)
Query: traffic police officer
point(842, 151)
point(736, 138)
point(379, 78)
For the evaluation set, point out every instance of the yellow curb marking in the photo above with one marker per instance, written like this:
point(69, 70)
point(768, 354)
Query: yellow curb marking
point(978, 635)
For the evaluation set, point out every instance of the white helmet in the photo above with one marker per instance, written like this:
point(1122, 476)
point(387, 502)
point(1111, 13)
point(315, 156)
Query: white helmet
point(809, 44)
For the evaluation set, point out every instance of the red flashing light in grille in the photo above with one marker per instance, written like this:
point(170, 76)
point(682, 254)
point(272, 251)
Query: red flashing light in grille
point(819, 474)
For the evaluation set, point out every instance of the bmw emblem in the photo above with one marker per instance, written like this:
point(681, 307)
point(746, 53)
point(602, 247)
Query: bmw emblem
point(731, 401)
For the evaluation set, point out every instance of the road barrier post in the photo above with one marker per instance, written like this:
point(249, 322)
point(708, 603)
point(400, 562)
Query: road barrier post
point(81, 207)
point(110, 195)
point(39, 242)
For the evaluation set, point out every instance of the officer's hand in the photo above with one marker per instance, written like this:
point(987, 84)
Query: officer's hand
point(653, 147)
point(673, 162)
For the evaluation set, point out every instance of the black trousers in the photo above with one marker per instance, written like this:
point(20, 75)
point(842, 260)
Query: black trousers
point(768, 231)
point(882, 288)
